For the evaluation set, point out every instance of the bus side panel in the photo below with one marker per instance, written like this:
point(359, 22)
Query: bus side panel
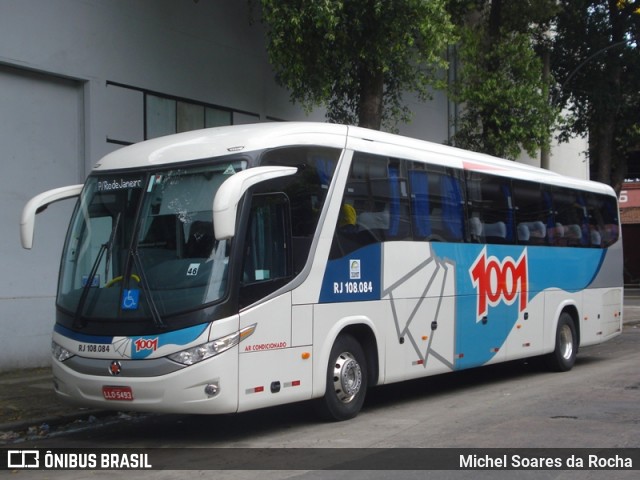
point(503, 290)
point(420, 333)
point(556, 301)
point(274, 377)
point(526, 337)
point(602, 317)
point(271, 372)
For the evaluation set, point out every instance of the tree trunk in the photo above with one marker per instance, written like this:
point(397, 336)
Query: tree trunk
point(545, 147)
point(371, 97)
point(610, 170)
point(603, 146)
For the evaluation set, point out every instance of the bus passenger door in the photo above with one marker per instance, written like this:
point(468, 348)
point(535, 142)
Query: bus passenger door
point(271, 370)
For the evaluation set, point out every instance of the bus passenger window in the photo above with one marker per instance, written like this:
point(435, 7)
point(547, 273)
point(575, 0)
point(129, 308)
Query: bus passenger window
point(437, 207)
point(609, 210)
point(307, 191)
point(571, 222)
point(377, 191)
point(532, 215)
point(603, 220)
point(491, 216)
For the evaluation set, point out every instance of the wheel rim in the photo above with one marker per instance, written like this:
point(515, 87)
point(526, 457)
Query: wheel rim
point(347, 377)
point(566, 342)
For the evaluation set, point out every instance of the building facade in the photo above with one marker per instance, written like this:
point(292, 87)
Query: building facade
point(81, 78)
point(630, 219)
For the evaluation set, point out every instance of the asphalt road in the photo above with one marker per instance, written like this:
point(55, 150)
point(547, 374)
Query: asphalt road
point(513, 405)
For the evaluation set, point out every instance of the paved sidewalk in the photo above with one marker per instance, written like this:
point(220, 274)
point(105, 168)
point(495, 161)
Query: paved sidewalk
point(29, 405)
point(30, 408)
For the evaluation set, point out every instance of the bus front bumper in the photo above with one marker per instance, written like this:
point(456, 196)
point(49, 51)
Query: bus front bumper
point(208, 387)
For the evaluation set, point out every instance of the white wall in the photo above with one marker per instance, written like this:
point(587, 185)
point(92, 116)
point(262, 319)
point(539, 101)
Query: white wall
point(42, 142)
point(568, 158)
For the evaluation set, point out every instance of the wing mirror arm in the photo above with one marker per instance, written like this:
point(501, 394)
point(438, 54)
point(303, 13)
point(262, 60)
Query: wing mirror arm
point(225, 203)
point(38, 204)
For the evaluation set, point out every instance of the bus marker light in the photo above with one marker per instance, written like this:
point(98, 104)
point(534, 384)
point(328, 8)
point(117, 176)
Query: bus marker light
point(425, 337)
point(255, 390)
point(247, 331)
point(418, 362)
point(306, 355)
point(495, 349)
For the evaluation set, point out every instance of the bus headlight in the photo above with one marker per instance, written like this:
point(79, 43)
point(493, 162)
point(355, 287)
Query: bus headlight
point(59, 352)
point(210, 349)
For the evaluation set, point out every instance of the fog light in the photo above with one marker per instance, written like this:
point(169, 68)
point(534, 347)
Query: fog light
point(212, 389)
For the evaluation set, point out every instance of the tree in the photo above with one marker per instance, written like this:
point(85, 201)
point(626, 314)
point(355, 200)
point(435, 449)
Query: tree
point(501, 83)
point(597, 64)
point(358, 57)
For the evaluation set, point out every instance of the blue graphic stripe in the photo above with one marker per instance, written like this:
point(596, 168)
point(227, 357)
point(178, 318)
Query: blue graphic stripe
point(178, 337)
point(568, 269)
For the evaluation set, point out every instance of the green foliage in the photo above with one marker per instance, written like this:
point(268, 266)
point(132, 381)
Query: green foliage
point(502, 90)
point(357, 56)
point(500, 83)
point(597, 64)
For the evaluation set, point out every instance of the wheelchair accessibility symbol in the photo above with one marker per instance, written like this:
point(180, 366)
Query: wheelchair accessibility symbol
point(130, 299)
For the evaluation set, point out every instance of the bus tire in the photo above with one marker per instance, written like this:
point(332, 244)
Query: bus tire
point(346, 381)
point(563, 356)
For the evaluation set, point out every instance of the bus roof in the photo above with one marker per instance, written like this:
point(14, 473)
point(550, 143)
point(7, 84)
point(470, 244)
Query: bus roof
point(219, 141)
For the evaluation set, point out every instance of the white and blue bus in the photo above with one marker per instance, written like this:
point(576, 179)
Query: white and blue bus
point(235, 268)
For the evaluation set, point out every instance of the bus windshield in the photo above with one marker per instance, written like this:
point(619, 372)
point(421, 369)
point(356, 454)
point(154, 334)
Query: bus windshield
point(142, 245)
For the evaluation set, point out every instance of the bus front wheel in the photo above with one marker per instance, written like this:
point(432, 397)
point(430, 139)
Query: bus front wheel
point(346, 380)
point(564, 355)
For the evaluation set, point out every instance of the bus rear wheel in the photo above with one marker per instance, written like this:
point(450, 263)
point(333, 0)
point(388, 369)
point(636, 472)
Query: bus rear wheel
point(346, 380)
point(563, 357)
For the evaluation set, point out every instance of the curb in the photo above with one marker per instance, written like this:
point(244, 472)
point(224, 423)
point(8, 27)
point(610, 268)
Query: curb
point(54, 421)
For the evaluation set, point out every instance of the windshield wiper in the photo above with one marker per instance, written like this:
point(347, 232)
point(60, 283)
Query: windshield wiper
point(110, 246)
point(87, 286)
point(157, 319)
point(105, 247)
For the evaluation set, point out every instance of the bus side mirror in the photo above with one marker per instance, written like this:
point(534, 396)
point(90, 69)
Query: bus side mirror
point(225, 203)
point(37, 204)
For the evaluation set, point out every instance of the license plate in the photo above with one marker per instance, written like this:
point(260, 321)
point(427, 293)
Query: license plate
point(117, 393)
